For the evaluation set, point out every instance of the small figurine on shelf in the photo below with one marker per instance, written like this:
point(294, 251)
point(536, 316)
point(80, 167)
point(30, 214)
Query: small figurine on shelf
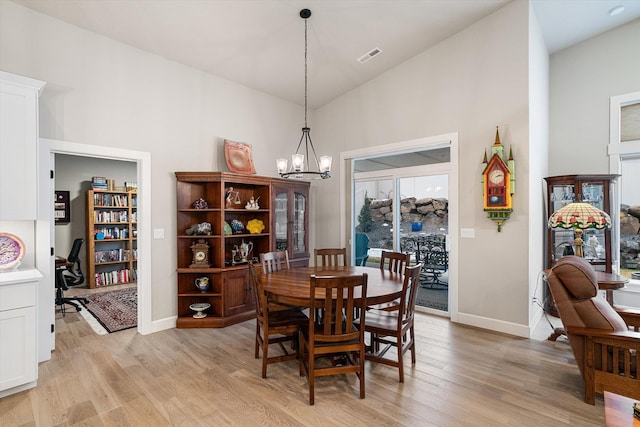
point(231, 197)
point(200, 204)
point(202, 229)
point(252, 204)
point(237, 226)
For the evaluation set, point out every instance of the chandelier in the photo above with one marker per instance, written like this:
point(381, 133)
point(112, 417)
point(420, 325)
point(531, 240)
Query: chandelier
point(301, 168)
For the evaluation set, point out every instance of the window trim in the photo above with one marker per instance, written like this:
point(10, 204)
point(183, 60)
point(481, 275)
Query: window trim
point(616, 151)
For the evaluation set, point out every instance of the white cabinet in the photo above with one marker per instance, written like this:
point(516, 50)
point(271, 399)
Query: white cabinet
point(18, 146)
point(18, 348)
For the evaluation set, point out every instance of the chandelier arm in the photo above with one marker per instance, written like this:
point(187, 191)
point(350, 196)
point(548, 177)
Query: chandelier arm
point(313, 149)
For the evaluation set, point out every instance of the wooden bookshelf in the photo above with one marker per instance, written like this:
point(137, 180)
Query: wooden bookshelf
point(111, 238)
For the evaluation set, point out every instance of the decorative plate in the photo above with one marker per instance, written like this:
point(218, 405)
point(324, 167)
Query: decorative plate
point(11, 250)
point(238, 157)
point(255, 226)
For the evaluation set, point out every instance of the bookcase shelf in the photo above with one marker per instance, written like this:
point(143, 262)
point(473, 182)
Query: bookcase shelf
point(111, 238)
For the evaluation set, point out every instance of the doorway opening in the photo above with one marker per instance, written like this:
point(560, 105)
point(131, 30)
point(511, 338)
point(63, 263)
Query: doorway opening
point(107, 264)
point(142, 164)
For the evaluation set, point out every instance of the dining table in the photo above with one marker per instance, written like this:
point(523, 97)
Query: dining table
point(292, 287)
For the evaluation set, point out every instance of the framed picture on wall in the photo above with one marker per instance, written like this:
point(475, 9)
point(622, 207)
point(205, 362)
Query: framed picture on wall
point(62, 208)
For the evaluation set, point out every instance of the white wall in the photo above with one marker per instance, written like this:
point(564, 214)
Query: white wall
point(469, 83)
point(582, 79)
point(538, 155)
point(104, 93)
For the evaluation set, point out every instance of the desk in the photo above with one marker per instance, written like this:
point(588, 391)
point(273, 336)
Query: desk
point(291, 287)
point(607, 282)
point(618, 410)
point(62, 262)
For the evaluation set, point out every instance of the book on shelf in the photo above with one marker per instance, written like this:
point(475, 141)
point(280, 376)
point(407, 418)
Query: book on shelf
point(115, 277)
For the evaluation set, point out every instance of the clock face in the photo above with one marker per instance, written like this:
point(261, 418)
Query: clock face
point(200, 256)
point(496, 177)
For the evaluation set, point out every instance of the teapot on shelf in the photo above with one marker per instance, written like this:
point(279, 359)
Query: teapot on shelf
point(244, 250)
point(202, 283)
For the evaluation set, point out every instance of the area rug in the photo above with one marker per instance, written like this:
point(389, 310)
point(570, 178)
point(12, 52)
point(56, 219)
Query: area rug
point(112, 311)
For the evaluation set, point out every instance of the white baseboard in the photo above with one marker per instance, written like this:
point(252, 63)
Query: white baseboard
point(160, 325)
point(494, 325)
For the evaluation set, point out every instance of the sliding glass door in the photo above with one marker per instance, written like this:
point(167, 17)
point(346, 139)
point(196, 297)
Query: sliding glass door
point(405, 210)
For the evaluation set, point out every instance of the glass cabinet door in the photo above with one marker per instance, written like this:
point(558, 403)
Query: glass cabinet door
point(597, 190)
point(299, 232)
point(563, 239)
point(281, 221)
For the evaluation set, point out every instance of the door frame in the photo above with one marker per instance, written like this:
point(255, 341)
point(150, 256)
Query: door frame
point(346, 204)
point(49, 147)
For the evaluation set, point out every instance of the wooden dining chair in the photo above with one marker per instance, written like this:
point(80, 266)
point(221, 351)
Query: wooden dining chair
point(330, 257)
point(334, 336)
point(391, 328)
point(274, 261)
point(274, 326)
point(394, 261)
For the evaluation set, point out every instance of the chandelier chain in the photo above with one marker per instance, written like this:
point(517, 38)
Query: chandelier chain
point(305, 73)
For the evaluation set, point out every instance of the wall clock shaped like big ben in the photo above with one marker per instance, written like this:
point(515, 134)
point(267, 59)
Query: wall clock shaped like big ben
point(498, 183)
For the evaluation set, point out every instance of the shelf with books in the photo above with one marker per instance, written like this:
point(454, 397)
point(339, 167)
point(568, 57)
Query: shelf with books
point(111, 238)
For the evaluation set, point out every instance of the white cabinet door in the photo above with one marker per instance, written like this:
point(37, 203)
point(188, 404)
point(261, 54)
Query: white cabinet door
point(18, 144)
point(18, 364)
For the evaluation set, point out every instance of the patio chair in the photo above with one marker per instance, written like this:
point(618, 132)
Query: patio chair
point(362, 249)
point(436, 263)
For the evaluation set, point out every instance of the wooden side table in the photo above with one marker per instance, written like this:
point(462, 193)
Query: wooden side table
point(609, 282)
point(618, 411)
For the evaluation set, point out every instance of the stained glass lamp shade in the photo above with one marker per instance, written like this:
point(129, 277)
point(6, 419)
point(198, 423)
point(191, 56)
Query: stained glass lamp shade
point(579, 216)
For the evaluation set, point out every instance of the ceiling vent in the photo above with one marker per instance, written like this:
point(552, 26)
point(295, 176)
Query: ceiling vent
point(367, 56)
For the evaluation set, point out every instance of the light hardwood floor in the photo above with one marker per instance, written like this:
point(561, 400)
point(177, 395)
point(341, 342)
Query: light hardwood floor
point(209, 377)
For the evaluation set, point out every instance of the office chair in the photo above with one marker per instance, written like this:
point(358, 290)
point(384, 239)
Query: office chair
point(70, 273)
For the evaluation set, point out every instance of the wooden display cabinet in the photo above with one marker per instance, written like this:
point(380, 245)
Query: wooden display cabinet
point(282, 206)
point(598, 190)
point(291, 219)
point(229, 294)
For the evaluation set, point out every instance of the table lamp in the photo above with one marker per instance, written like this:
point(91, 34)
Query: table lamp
point(579, 216)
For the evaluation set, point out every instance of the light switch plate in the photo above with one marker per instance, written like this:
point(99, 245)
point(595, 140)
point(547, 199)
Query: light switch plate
point(467, 233)
point(158, 233)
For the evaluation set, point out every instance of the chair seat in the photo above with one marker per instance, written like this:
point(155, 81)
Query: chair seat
point(386, 306)
point(381, 320)
point(291, 316)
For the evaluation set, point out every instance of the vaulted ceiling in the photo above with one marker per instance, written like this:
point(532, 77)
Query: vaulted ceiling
point(260, 43)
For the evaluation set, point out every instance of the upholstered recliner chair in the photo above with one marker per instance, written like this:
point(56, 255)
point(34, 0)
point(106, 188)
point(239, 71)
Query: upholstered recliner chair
point(606, 351)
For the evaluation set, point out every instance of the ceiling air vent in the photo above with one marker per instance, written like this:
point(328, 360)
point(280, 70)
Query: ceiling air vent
point(367, 56)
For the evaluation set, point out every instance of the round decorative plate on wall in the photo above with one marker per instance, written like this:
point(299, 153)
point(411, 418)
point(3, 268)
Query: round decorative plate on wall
point(11, 250)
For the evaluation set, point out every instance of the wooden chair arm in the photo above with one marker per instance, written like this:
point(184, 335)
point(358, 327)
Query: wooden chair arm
point(622, 336)
point(631, 317)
